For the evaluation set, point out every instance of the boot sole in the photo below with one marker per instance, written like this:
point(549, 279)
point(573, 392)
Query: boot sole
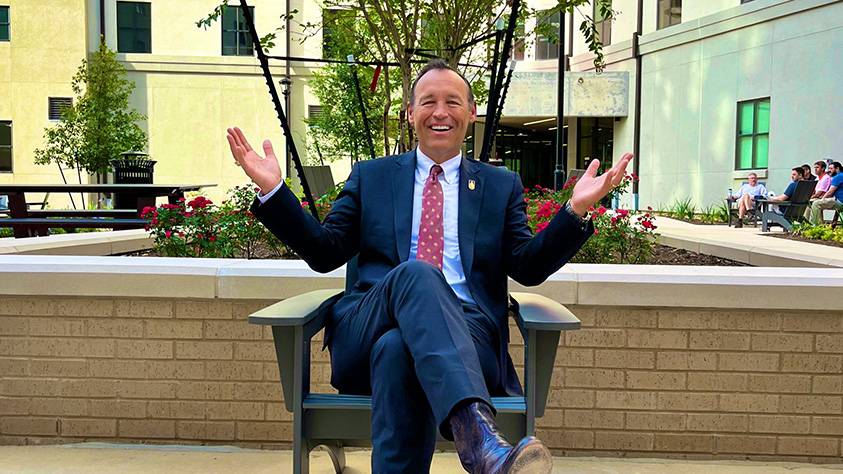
point(532, 459)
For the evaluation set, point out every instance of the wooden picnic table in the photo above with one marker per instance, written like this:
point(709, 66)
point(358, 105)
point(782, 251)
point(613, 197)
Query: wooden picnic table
point(27, 223)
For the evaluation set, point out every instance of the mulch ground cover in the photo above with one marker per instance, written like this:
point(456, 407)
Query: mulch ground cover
point(830, 243)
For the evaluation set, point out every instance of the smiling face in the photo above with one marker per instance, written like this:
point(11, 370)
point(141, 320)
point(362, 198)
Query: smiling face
point(440, 113)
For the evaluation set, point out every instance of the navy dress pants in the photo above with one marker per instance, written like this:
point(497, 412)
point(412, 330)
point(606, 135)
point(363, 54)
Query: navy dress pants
point(420, 352)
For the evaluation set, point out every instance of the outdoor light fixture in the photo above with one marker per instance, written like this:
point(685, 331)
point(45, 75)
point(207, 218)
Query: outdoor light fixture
point(540, 121)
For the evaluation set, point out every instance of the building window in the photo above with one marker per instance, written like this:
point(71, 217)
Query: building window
point(5, 147)
point(753, 141)
point(603, 25)
point(134, 30)
point(546, 47)
point(5, 24)
point(56, 107)
point(236, 40)
point(670, 13)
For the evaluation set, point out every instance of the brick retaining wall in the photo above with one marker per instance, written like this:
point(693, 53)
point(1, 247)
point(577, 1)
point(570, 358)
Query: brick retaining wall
point(680, 382)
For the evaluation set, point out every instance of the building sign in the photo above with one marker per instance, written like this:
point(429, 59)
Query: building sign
point(587, 94)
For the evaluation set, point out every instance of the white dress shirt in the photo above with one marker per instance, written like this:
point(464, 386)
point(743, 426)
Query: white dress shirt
point(450, 181)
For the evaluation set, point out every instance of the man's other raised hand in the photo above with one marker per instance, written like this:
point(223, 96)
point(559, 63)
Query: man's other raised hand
point(592, 188)
point(264, 172)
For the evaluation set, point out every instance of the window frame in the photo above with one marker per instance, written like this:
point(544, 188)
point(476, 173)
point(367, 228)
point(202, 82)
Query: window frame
point(755, 133)
point(237, 31)
point(551, 49)
point(133, 28)
point(7, 24)
point(659, 3)
point(9, 146)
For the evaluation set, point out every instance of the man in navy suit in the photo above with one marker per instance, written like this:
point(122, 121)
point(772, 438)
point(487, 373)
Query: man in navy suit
point(424, 331)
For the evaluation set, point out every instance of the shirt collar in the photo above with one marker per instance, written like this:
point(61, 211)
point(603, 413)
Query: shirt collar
point(450, 168)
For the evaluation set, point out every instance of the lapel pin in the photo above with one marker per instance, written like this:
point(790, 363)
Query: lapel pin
point(471, 184)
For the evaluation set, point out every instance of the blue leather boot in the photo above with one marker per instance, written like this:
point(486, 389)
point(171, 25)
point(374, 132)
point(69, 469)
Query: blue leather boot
point(483, 450)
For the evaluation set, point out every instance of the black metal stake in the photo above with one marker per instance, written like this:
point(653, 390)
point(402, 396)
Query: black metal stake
point(499, 76)
point(488, 130)
point(288, 135)
point(503, 95)
point(561, 159)
point(362, 108)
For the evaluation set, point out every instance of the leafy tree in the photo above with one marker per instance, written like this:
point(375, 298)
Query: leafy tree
point(338, 129)
point(99, 125)
point(395, 31)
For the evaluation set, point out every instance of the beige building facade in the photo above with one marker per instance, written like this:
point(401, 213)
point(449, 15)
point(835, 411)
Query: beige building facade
point(703, 63)
point(188, 89)
point(728, 87)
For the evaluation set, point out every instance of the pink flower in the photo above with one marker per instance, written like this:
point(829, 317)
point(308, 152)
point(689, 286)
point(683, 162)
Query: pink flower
point(147, 210)
point(541, 226)
point(199, 202)
point(168, 233)
point(601, 210)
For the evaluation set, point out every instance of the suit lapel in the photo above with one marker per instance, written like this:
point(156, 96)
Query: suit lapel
point(471, 196)
point(403, 181)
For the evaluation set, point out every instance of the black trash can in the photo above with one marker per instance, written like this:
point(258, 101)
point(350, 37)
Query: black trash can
point(133, 168)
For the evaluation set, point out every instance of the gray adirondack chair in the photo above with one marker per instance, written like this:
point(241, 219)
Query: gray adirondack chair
point(336, 420)
point(793, 211)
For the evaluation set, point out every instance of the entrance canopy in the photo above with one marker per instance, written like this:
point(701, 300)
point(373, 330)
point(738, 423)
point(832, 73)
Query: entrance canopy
point(587, 94)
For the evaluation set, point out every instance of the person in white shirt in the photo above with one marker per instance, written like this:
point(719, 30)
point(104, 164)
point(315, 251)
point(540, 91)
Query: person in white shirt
point(746, 196)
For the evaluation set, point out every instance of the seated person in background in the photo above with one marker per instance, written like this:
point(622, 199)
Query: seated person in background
point(823, 180)
point(832, 199)
point(747, 195)
point(806, 173)
point(795, 177)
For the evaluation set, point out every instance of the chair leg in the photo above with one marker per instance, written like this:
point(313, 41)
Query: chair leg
point(301, 454)
point(337, 454)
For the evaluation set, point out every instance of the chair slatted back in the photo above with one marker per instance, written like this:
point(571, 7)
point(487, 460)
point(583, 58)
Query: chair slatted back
point(800, 199)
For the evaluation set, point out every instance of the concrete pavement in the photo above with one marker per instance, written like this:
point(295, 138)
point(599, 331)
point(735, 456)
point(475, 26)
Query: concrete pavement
point(96, 458)
point(747, 245)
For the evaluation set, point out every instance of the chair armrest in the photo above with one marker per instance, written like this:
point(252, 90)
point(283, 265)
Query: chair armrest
point(296, 311)
point(543, 314)
point(294, 321)
point(541, 321)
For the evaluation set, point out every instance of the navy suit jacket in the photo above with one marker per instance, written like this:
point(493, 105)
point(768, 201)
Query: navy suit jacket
point(372, 218)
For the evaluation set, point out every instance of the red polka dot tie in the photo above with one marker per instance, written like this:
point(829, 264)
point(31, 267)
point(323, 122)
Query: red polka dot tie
point(431, 232)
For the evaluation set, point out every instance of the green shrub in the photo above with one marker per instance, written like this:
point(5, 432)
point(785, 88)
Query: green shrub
point(818, 232)
point(683, 209)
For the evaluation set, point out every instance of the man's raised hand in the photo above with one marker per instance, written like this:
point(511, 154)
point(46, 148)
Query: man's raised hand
point(264, 172)
point(592, 188)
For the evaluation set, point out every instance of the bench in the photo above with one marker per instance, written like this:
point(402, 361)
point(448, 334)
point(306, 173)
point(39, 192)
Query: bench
point(39, 226)
point(110, 213)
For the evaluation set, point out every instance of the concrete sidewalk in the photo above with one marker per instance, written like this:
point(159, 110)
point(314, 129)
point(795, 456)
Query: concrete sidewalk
point(131, 459)
point(747, 245)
